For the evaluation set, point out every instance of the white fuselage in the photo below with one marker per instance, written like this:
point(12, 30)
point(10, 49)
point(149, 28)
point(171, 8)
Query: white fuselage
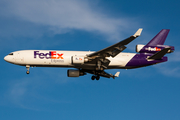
point(96, 62)
point(52, 58)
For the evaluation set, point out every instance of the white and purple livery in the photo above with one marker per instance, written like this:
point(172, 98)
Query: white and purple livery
point(97, 62)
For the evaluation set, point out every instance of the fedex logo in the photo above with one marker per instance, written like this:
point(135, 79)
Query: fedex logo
point(153, 49)
point(79, 58)
point(50, 55)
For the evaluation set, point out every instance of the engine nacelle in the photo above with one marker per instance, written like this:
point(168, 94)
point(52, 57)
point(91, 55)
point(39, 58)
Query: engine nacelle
point(75, 73)
point(139, 47)
point(77, 60)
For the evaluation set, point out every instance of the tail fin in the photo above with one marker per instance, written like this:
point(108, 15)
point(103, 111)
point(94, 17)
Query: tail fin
point(160, 38)
point(156, 44)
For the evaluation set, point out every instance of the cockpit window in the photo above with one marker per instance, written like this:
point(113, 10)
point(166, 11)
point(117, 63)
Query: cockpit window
point(10, 53)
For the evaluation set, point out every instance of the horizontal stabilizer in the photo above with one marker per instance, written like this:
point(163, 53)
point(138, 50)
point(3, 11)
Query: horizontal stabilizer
point(159, 54)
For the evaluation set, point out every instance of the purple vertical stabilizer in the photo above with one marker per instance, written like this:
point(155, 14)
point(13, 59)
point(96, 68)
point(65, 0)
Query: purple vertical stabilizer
point(160, 38)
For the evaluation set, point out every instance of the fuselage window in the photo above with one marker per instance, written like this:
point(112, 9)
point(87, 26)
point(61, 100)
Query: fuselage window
point(10, 53)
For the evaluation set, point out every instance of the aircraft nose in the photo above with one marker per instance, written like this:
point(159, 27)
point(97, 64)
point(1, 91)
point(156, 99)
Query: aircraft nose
point(7, 58)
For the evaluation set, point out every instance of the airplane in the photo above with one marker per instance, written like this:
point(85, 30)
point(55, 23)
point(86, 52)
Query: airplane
point(96, 63)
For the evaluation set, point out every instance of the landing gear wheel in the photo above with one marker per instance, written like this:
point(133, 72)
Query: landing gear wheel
point(93, 77)
point(27, 72)
point(97, 77)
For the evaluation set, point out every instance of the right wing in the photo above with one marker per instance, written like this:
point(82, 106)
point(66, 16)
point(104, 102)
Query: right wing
point(116, 48)
point(99, 57)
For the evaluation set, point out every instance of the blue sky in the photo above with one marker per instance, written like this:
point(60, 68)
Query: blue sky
point(47, 93)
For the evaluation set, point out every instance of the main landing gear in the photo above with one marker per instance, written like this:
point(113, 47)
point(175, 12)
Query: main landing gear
point(97, 77)
point(27, 67)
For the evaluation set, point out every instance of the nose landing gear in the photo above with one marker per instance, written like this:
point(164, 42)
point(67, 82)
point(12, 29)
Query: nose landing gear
point(27, 67)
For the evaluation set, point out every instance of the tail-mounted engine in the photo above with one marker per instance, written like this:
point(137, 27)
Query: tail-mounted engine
point(152, 49)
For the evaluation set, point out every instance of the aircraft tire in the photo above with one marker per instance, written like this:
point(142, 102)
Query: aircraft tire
point(27, 72)
point(97, 77)
point(93, 78)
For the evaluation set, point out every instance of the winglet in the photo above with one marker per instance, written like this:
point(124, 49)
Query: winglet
point(138, 33)
point(117, 74)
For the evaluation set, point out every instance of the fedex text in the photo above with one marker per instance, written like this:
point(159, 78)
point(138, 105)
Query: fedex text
point(153, 49)
point(49, 55)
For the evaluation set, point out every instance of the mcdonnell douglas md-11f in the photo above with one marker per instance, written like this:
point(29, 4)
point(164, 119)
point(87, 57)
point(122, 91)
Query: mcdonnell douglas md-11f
point(97, 62)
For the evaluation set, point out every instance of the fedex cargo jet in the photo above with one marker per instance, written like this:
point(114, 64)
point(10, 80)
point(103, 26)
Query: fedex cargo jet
point(97, 62)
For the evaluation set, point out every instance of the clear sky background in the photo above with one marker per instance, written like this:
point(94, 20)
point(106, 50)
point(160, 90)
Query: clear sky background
point(149, 93)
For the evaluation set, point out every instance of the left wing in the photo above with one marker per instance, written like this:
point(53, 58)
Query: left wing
point(97, 74)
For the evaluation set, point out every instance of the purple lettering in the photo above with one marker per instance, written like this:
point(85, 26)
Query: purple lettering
point(46, 55)
point(36, 53)
point(41, 55)
point(49, 55)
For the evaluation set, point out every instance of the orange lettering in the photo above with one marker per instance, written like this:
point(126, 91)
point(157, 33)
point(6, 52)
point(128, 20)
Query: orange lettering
point(53, 53)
